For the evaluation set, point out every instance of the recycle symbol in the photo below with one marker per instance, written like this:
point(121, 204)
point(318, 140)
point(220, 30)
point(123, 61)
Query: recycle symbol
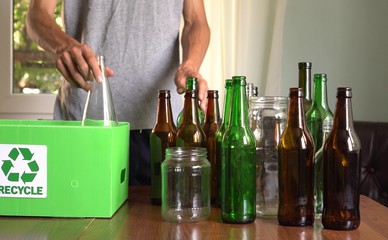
point(7, 167)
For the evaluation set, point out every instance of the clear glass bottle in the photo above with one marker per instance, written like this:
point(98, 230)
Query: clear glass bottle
point(319, 110)
point(191, 84)
point(268, 117)
point(220, 133)
point(318, 171)
point(305, 83)
point(163, 136)
point(99, 109)
point(210, 127)
point(341, 169)
point(185, 185)
point(238, 175)
point(296, 169)
point(251, 91)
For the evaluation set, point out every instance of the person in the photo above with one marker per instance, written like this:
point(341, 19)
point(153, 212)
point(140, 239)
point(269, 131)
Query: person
point(140, 40)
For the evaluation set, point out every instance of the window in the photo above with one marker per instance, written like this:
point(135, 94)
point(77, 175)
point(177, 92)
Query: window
point(17, 105)
point(33, 70)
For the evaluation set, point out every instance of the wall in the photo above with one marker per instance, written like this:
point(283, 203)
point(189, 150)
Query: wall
point(346, 39)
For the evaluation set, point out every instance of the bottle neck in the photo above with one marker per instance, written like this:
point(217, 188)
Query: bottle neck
point(227, 105)
point(305, 81)
point(320, 93)
point(190, 108)
point(192, 83)
point(296, 115)
point(164, 114)
point(343, 116)
point(213, 111)
point(239, 113)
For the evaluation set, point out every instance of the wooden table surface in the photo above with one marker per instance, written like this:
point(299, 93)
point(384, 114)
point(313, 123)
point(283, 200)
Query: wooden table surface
point(138, 219)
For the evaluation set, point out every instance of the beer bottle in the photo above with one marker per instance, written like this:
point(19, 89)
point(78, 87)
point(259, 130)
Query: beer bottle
point(210, 127)
point(220, 134)
point(305, 83)
point(238, 175)
point(191, 84)
point(319, 110)
point(296, 155)
point(163, 135)
point(341, 156)
point(190, 132)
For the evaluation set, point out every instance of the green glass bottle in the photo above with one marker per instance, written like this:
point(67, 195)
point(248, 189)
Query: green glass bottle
point(305, 83)
point(318, 171)
point(296, 169)
point(191, 84)
point(220, 134)
point(210, 127)
point(238, 175)
point(163, 136)
point(190, 132)
point(319, 111)
point(341, 168)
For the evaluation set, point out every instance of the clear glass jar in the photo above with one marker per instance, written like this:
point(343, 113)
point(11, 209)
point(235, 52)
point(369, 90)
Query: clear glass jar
point(268, 117)
point(185, 185)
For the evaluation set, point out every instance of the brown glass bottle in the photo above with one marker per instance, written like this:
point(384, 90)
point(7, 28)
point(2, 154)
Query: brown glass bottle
point(296, 155)
point(190, 132)
point(210, 127)
point(341, 168)
point(305, 83)
point(163, 136)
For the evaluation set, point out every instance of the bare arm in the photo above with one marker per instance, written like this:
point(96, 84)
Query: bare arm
point(195, 41)
point(73, 59)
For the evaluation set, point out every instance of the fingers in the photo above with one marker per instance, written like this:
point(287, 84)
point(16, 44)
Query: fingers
point(202, 92)
point(78, 64)
point(70, 71)
point(180, 81)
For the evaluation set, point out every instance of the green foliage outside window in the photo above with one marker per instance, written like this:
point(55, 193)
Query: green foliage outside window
point(33, 68)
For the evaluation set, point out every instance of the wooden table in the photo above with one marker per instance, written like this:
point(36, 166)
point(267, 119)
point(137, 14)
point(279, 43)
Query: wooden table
point(138, 219)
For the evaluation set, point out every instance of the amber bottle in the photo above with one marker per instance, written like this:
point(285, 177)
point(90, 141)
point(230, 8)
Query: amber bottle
point(296, 155)
point(191, 84)
point(190, 132)
point(163, 135)
point(210, 127)
point(341, 168)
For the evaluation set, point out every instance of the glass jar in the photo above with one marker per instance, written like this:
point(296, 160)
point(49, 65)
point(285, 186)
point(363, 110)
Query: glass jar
point(268, 117)
point(185, 185)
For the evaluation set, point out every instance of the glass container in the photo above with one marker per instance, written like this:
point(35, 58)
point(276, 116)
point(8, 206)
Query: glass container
point(268, 117)
point(99, 109)
point(185, 185)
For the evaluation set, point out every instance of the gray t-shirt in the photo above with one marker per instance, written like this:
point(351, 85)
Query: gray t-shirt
point(139, 39)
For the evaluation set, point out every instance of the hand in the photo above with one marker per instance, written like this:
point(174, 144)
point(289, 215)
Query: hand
point(185, 70)
point(76, 63)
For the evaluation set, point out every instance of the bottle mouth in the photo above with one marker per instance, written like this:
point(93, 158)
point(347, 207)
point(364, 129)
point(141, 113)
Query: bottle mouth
point(180, 153)
point(240, 80)
point(296, 92)
point(305, 65)
point(344, 92)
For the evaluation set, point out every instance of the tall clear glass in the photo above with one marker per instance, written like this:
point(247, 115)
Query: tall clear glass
point(268, 118)
point(99, 109)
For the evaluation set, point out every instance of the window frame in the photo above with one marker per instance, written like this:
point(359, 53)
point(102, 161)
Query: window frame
point(17, 106)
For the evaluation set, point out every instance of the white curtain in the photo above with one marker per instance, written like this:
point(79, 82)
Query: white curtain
point(246, 39)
